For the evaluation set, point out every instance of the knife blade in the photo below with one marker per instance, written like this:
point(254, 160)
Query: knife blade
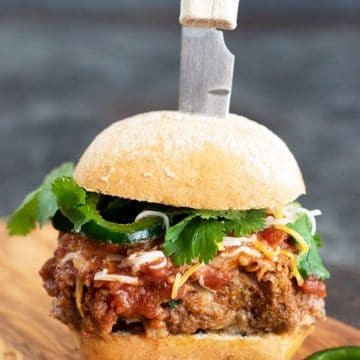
point(206, 72)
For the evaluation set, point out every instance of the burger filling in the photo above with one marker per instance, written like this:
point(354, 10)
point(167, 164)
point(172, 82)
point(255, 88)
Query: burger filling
point(150, 269)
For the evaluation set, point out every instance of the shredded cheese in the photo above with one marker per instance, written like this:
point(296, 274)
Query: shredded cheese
point(294, 268)
point(241, 249)
point(292, 212)
point(105, 276)
point(80, 263)
point(148, 213)
point(311, 214)
point(237, 241)
point(301, 243)
point(182, 279)
point(263, 249)
point(160, 265)
point(175, 288)
point(189, 272)
point(136, 260)
point(289, 214)
point(79, 292)
point(68, 257)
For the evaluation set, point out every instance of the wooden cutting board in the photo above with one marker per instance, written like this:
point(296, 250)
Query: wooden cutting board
point(28, 332)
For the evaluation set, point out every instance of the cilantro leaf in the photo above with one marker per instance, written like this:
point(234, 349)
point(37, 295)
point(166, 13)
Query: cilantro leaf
point(318, 241)
point(39, 205)
point(71, 200)
point(309, 263)
point(206, 237)
point(179, 245)
point(193, 237)
point(200, 234)
point(47, 205)
point(250, 222)
point(23, 220)
point(173, 303)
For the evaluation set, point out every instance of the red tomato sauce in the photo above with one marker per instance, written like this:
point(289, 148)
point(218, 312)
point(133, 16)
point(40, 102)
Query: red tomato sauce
point(314, 286)
point(273, 236)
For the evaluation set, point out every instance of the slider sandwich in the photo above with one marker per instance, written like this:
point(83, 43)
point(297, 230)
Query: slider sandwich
point(180, 237)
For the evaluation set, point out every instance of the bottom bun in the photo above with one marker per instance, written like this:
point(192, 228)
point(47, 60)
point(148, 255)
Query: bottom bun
point(194, 347)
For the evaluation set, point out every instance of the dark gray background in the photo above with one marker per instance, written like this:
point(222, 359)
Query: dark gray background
point(68, 70)
point(120, 5)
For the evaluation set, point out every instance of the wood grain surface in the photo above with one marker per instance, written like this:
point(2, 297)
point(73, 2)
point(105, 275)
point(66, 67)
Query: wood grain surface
point(28, 332)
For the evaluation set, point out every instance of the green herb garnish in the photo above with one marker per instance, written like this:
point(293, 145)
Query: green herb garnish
point(200, 234)
point(39, 206)
point(309, 263)
point(173, 303)
point(81, 208)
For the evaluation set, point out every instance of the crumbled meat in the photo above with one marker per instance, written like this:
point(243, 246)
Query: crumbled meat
point(231, 297)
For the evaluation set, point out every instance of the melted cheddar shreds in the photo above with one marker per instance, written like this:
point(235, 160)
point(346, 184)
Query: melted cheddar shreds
point(264, 250)
point(294, 268)
point(180, 280)
point(193, 269)
point(301, 243)
point(79, 291)
point(292, 212)
point(176, 286)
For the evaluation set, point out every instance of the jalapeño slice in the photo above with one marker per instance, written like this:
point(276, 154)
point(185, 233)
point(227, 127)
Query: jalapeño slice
point(98, 228)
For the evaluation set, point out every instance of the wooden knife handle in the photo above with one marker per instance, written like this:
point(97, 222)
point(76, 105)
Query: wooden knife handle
point(220, 14)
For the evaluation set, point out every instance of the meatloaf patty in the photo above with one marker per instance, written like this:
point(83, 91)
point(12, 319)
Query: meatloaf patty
point(235, 294)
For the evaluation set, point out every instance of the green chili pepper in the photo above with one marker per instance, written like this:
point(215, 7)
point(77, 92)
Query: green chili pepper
point(340, 353)
point(145, 229)
point(99, 229)
point(80, 209)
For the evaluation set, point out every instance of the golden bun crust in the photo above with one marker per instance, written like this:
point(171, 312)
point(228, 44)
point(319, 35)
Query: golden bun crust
point(194, 161)
point(193, 347)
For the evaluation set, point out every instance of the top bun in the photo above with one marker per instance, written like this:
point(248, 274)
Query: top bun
point(194, 161)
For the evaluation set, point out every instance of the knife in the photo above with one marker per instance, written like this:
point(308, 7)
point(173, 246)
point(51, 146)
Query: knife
point(206, 65)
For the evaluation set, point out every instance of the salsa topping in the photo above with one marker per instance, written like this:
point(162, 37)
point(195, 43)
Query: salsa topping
point(314, 286)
